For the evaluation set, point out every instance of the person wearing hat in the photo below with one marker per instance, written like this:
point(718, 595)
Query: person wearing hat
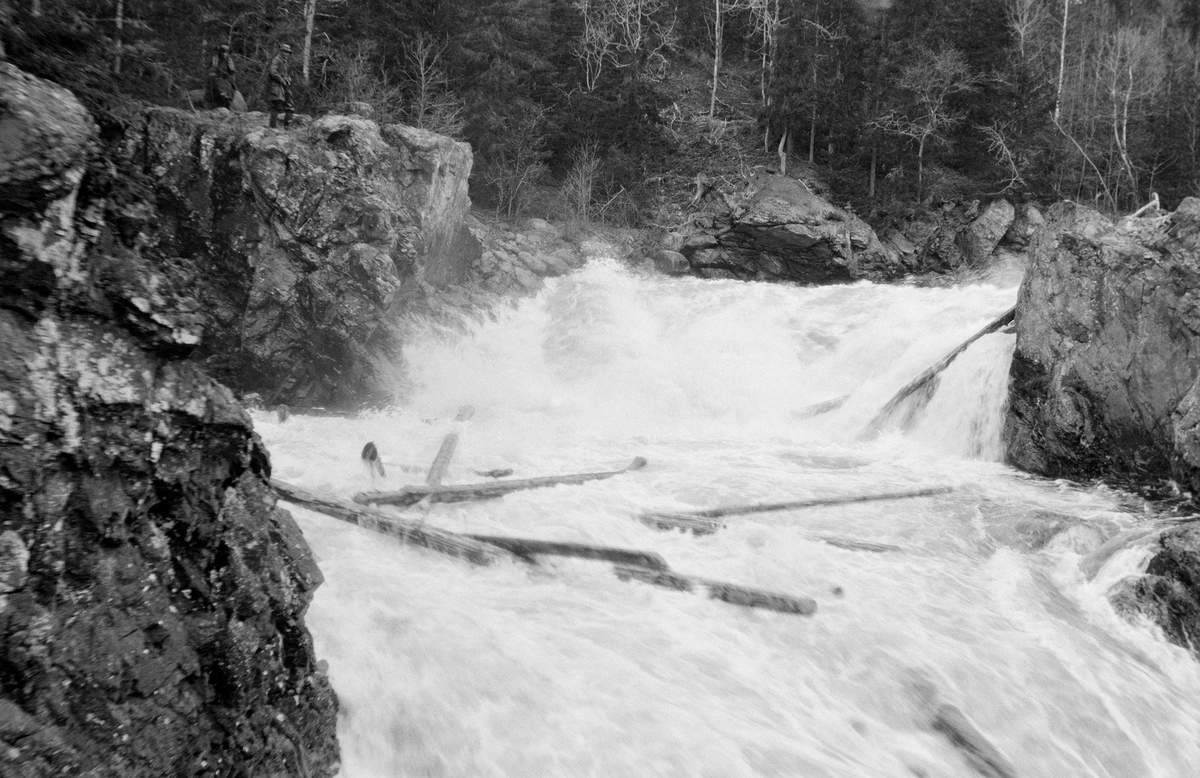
point(279, 87)
point(221, 71)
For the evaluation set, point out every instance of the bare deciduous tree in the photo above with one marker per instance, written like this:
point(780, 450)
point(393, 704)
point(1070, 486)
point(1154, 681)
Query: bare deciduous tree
point(622, 34)
point(929, 80)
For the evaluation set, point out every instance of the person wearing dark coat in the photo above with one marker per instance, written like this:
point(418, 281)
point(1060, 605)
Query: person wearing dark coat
point(279, 86)
point(221, 71)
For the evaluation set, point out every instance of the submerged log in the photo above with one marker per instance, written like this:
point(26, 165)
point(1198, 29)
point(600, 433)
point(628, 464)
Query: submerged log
point(816, 409)
point(525, 548)
point(718, 590)
point(966, 737)
point(441, 462)
point(416, 533)
point(706, 522)
point(921, 388)
point(410, 495)
point(850, 544)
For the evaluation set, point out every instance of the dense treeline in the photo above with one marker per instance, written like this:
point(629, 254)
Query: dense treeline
point(1094, 100)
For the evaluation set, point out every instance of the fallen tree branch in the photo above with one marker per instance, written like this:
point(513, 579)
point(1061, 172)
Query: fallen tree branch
point(410, 495)
point(706, 522)
point(717, 590)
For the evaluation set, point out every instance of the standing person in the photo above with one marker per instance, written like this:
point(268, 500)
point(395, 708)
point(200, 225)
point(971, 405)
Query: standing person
point(221, 71)
point(279, 88)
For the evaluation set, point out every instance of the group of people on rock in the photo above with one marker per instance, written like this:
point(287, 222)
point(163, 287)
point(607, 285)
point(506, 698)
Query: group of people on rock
point(222, 92)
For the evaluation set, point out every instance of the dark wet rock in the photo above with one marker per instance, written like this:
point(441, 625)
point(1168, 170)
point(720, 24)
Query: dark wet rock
point(1169, 593)
point(1104, 377)
point(151, 594)
point(305, 246)
point(780, 230)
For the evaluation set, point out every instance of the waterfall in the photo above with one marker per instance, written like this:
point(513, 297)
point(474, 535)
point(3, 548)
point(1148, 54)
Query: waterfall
point(564, 670)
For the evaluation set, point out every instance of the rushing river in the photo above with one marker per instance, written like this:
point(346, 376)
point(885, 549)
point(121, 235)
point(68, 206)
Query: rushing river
point(444, 669)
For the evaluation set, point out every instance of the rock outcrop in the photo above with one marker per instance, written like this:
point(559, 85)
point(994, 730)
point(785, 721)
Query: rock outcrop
point(953, 235)
point(305, 245)
point(1104, 377)
point(515, 258)
point(1169, 592)
point(151, 595)
point(779, 230)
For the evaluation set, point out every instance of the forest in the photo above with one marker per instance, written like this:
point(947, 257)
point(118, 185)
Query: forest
point(1091, 100)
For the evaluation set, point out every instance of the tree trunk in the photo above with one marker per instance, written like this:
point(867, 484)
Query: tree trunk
point(783, 155)
point(1062, 60)
point(812, 136)
point(718, 36)
point(874, 162)
point(120, 21)
point(310, 15)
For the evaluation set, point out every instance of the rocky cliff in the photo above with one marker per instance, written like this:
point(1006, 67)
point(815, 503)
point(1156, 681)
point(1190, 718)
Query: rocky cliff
point(151, 595)
point(304, 246)
point(1105, 380)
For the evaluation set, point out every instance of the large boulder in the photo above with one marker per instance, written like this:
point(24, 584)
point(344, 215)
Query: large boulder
point(780, 230)
point(306, 243)
point(981, 237)
point(151, 594)
point(1108, 348)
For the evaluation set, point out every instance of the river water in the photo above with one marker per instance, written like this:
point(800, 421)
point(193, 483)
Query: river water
point(444, 669)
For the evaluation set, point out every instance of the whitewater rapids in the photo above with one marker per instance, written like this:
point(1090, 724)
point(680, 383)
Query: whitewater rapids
point(444, 669)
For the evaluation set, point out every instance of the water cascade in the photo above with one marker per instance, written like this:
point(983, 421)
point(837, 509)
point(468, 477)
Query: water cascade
point(446, 669)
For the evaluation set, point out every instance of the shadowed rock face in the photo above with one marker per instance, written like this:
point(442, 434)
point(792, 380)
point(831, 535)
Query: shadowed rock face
point(151, 595)
point(1108, 348)
point(306, 245)
point(1104, 381)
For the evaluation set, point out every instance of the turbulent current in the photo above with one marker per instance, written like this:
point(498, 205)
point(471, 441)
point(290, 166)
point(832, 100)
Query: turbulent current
point(994, 602)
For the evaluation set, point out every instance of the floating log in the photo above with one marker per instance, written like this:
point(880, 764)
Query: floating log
point(527, 549)
point(437, 470)
point(966, 737)
point(706, 522)
point(922, 387)
point(416, 533)
point(718, 590)
point(410, 495)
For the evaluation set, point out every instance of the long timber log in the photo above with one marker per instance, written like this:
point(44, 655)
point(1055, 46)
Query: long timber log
point(416, 533)
point(628, 564)
point(718, 590)
point(706, 522)
point(921, 388)
point(526, 548)
point(410, 495)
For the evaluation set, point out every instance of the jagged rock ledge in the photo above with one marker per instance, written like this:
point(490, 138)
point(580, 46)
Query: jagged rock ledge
point(151, 595)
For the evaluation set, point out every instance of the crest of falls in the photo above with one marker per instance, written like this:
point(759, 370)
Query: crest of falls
point(994, 605)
